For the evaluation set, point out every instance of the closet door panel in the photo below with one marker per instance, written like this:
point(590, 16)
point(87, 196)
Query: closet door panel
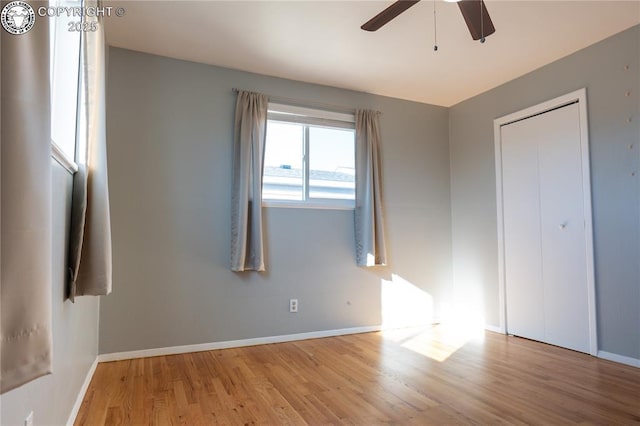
point(521, 213)
point(563, 238)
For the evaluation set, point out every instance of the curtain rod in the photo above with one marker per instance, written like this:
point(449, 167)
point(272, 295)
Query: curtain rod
point(309, 104)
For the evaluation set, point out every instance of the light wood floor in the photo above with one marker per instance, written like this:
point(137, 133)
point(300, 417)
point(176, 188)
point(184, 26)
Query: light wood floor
point(428, 376)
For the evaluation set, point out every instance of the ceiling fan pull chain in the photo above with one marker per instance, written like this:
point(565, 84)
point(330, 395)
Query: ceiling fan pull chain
point(482, 39)
point(435, 28)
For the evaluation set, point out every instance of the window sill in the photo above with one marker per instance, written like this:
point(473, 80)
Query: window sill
point(62, 159)
point(320, 205)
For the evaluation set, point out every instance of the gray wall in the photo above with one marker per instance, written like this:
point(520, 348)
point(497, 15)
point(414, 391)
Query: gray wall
point(616, 193)
point(75, 334)
point(170, 149)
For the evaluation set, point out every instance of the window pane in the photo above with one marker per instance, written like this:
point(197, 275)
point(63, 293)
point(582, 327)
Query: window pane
point(331, 163)
point(65, 55)
point(282, 177)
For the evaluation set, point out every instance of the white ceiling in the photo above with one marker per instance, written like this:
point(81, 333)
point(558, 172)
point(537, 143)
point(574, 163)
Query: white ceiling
point(321, 41)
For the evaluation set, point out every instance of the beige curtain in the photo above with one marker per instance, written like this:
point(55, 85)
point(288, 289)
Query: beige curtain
point(90, 238)
point(25, 346)
point(247, 251)
point(369, 224)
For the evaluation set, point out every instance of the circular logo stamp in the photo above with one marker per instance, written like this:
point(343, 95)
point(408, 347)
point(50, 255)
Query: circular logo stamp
point(17, 17)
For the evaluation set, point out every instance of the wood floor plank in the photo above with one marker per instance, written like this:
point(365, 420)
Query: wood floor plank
point(410, 377)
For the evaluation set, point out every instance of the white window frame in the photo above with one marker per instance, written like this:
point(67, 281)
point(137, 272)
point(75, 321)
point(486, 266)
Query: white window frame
point(65, 159)
point(315, 118)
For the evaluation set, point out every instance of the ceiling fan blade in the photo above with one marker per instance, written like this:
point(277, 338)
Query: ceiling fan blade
point(388, 14)
point(479, 27)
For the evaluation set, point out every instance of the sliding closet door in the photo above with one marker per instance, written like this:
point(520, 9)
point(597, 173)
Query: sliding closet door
point(545, 248)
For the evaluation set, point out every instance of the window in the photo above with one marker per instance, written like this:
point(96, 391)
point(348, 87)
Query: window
point(64, 54)
point(309, 158)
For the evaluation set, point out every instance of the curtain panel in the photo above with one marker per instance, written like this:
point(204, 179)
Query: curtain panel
point(25, 286)
point(90, 234)
point(247, 247)
point(369, 218)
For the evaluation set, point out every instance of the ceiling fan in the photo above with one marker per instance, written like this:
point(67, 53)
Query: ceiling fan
point(474, 12)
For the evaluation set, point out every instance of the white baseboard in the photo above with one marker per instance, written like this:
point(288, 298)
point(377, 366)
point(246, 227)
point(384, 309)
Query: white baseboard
point(634, 362)
point(173, 350)
point(81, 393)
point(494, 328)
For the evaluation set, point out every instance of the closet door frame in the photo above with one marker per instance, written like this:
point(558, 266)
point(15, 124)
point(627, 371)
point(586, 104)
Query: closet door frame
point(579, 96)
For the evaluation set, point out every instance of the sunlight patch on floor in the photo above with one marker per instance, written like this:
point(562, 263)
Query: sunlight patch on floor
point(408, 317)
point(438, 341)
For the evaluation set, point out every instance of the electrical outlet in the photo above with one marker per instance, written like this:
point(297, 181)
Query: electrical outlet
point(293, 305)
point(28, 421)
